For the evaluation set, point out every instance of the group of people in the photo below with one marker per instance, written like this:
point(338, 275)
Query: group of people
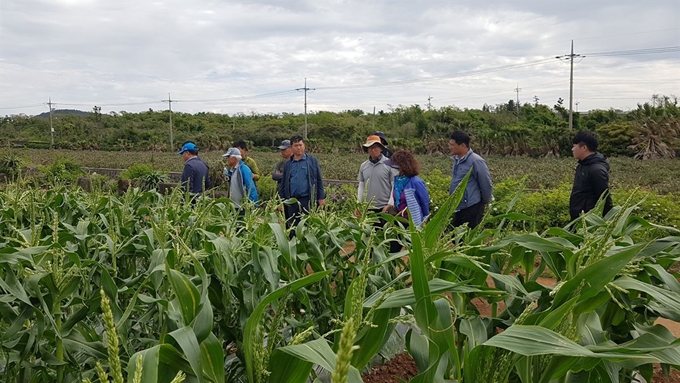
point(389, 181)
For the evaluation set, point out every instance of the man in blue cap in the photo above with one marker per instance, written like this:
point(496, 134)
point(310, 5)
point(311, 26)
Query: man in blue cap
point(195, 175)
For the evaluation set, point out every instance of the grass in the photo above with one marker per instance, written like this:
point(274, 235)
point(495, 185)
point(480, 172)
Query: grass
point(659, 176)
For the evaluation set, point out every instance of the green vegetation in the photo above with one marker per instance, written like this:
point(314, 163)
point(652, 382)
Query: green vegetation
point(535, 130)
point(661, 176)
point(141, 287)
point(145, 288)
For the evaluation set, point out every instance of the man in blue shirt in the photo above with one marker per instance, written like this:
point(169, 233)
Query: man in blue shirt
point(301, 179)
point(479, 187)
point(195, 175)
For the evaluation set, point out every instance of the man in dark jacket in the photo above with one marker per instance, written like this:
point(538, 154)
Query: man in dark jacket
point(195, 175)
point(301, 179)
point(592, 176)
point(286, 153)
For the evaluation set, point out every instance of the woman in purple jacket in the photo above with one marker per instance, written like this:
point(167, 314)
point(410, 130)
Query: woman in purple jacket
point(409, 190)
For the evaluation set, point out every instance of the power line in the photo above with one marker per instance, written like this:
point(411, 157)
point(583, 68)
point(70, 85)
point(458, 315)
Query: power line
point(22, 107)
point(631, 52)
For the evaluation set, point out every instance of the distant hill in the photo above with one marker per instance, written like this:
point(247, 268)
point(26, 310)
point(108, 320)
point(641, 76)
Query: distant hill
point(63, 112)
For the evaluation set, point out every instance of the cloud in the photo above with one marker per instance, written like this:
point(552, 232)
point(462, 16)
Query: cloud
point(355, 54)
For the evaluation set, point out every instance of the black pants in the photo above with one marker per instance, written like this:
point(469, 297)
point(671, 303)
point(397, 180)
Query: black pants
point(472, 215)
point(295, 211)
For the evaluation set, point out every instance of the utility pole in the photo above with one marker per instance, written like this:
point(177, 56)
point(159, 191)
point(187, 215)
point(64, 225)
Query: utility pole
point(49, 104)
point(517, 90)
point(374, 118)
point(536, 100)
point(305, 89)
point(429, 102)
point(570, 57)
point(170, 101)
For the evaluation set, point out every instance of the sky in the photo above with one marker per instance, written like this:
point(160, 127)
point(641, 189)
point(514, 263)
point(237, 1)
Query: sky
point(254, 56)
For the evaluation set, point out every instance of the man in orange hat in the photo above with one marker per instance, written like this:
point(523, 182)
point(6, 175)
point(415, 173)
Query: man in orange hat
point(375, 177)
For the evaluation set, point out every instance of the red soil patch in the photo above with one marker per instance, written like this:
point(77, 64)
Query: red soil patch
point(398, 369)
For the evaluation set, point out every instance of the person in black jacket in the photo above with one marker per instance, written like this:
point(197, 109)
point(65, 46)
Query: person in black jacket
point(592, 176)
point(301, 179)
point(195, 175)
point(385, 151)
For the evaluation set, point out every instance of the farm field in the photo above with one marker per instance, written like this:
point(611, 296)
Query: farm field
point(658, 176)
point(145, 288)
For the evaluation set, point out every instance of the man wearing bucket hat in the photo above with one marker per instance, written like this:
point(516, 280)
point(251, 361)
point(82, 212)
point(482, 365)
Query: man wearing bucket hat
point(375, 177)
point(286, 153)
point(195, 175)
point(240, 177)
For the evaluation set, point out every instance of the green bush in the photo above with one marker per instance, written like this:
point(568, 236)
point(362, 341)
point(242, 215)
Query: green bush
point(144, 176)
point(10, 165)
point(136, 171)
point(63, 169)
point(266, 188)
point(437, 184)
point(659, 209)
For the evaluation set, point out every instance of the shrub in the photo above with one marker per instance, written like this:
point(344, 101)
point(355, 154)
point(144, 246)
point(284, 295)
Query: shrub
point(144, 176)
point(63, 169)
point(10, 165)
point(437, 184)
point(136, 171)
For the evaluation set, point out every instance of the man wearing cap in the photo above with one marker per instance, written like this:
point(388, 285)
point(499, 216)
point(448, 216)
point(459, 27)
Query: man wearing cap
point(301, 179)
point(286, 153)
point(195, 175)
point(243, 148)
point(376, 179)
point(385, 151)
point(479, 189)
point(240, 177)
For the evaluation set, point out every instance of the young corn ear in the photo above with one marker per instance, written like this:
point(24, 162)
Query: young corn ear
point(111, 339)
point(344, 357)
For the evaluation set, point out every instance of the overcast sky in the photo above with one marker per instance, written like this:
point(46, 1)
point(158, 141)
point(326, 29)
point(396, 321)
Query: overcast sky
point(250, 56)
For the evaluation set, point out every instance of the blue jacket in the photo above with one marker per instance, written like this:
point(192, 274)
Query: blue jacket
point(316, 188)
point(195, 176)
point(416, 198)
point(479, 187)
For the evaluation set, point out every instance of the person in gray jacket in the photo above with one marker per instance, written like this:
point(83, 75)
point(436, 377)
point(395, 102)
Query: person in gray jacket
point(376, 179)
point(479, 187)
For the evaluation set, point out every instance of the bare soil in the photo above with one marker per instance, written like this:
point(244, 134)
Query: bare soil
point(399, 369)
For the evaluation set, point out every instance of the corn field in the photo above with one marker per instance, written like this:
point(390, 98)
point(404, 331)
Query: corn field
point(146, 288)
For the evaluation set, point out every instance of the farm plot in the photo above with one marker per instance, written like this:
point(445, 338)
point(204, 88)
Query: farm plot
point(146, 288)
